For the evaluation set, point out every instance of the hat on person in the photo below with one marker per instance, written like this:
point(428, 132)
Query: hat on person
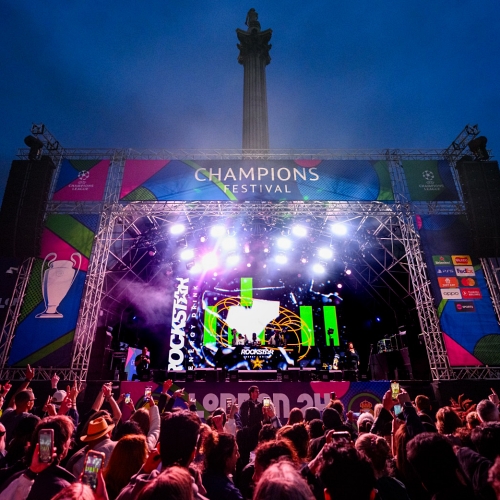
point(97, 428)
point(58, 397)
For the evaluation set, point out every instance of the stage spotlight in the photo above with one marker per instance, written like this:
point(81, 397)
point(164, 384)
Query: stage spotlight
point(209, 260)
point(299, 230)
point(249, 265)
point(193, 267)
point(339, 229)
point(339, 285)
point(319, 268)
point(303, 260)
point(232, 259)
point(281, 258)
point(266, 250)
point(187, 254)
point(35, 145)
point(228, 243)
point(217, 231)
point(284, 243)
point(177, 228)
point(325, 253)
point(247, 247)
point(151, 251)
point(348, 272)
point(203, 239)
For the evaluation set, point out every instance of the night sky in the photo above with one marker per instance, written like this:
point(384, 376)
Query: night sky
point(162, 74)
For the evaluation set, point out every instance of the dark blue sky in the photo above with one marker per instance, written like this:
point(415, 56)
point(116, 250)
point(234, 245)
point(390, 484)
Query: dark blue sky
point(163, 74)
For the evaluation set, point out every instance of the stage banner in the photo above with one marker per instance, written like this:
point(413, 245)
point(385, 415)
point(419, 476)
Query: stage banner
point(468, 322)
point(49, 313)
point(356, 396)
point(81, 180)
point(241, 180)
point(430, 180)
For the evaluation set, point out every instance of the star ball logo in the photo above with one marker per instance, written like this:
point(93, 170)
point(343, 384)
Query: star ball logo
point(83, 175)
point(428, 175)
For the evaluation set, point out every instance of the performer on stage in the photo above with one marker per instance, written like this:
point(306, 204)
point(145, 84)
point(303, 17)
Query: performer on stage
point(142, 363)
point(352, 357)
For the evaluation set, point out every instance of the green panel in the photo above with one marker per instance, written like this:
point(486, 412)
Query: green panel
point(33, 295)
point(330, 316)
point(382, 169)
point(246, 286)
point(48, 349)
point(140, 194)
point(71, 231)
point(307, 326)
point(84, 164)
point(210, 324)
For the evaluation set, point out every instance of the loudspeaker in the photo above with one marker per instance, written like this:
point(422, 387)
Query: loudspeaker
point(23, 207)
point(480, 182)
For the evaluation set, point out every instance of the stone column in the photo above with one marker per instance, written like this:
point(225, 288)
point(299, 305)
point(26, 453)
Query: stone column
point(254, 56)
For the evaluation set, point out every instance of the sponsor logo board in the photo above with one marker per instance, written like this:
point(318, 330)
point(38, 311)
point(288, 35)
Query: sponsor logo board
point(463, 307)
point(462, 271)
point(471, 293)
point(451, 294)
point(461, 260)
point(448, 282)
point(441, 260)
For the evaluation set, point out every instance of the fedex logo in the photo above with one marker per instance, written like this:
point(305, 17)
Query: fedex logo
point(465, 271)
point(471, 293)
point(451, 294)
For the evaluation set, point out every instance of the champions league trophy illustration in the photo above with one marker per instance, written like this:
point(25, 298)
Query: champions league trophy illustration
point(56, 282)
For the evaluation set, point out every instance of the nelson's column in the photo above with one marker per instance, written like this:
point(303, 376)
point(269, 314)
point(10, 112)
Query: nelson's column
point(254, 55)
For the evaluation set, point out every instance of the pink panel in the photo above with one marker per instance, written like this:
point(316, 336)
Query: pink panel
point(307, 163)
point(457, 355)
point(52, 243)
point(88, 187)
point(340, 388)
point(139, 171)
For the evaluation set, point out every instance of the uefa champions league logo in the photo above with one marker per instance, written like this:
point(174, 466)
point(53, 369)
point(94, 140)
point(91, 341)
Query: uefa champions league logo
point(428, 175)
point(83, 175)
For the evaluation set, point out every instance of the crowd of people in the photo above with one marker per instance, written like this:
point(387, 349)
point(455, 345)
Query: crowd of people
point(403, 449)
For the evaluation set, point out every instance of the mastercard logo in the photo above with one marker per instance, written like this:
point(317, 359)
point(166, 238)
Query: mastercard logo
point(468, 282)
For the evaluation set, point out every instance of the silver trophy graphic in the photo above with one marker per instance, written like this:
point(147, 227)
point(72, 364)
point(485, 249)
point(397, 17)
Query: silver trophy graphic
point(56, 282)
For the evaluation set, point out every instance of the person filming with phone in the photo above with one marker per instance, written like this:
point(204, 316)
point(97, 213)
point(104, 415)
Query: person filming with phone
point(44, 477)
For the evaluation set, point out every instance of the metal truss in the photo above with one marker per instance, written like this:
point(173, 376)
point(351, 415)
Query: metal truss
point(491, 268)
point(478, 372)
point(246, 154)
point(427, 314)
point(10, 323)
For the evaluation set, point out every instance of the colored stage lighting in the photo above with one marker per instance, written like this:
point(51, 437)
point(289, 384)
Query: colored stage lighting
point(348, 272)
point(209, 261)
point(229, 243)
point(193, 267)
point(217, 231)
point(187, 254)
point(299, 230)
point(233, 259)
point(177, 228)
point(303, 260)
point(284, 243)
point(319, 268)
point(325, 253)
point(339, 229)
point(281, 258)
point(339, 285)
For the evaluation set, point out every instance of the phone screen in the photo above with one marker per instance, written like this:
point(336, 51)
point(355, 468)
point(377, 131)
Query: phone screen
point(127, 398)
point(395, 389)
point(333, 395)
point(397, 409)
point(93, 463)
point(46, 444)
point(229, 403)
point(147, 392)
point(266, 402)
